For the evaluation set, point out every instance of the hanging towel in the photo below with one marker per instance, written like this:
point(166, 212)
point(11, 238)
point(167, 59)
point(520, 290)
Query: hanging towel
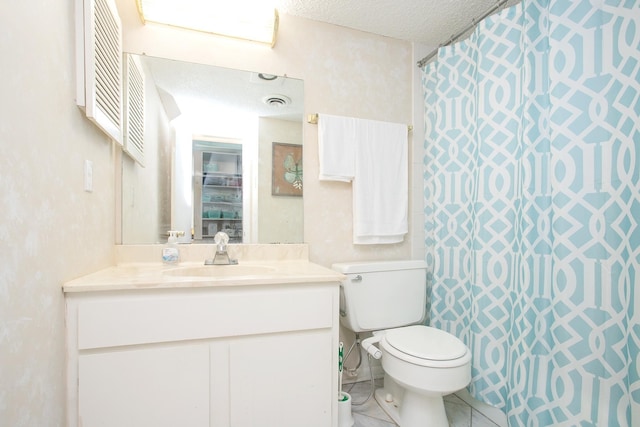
point(374, 156)
point(381, 183)
point(336, 147)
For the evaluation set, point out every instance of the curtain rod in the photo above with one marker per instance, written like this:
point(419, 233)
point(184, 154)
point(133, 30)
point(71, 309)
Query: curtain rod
point(456, 36)
point(313, 119)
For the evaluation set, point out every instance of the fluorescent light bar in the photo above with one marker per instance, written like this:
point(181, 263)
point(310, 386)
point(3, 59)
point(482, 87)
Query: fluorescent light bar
point(247, 20)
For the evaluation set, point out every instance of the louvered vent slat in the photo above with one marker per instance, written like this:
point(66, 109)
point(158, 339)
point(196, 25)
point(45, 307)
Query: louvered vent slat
point(134, 109)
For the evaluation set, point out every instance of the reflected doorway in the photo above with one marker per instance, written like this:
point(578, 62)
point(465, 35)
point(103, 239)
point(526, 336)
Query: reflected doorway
point(219, 190)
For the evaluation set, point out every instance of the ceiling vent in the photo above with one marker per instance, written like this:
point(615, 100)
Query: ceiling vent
point(276, 100)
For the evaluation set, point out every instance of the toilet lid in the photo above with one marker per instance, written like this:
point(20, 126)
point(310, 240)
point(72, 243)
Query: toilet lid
point(425, 342)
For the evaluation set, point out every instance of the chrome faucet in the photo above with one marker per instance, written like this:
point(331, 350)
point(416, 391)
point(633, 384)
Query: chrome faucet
point(221, 257)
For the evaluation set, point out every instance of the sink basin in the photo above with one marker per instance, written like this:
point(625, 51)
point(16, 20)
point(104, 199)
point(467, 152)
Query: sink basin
point(220, 271)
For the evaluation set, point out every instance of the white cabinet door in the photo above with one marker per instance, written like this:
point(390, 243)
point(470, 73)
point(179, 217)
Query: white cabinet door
point(282, 380)
point(156, 386)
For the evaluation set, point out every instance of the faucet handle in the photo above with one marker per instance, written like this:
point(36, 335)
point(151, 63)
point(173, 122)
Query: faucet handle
point(221, 238)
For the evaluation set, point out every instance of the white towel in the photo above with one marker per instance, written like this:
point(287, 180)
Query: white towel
point(336, 147)
point(381, 183)
point(374, 155)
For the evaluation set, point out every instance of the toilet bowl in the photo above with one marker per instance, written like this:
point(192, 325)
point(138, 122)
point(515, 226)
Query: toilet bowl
point(421, 363)
point(427, 364)
point(426, 359)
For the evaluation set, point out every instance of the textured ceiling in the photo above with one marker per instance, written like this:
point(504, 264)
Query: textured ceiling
point(429, 22)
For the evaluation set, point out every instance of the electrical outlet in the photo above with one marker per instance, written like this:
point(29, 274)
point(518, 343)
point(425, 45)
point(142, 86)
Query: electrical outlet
point(88, 176)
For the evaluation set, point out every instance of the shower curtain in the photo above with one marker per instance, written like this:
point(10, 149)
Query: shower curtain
point(532, 195)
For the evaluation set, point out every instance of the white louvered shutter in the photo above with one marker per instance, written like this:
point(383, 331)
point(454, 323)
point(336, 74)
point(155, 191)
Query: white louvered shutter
point(102, 39)
point(134, 108)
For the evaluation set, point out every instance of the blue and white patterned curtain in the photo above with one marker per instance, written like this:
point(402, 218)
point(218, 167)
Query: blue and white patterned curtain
point(532, 186)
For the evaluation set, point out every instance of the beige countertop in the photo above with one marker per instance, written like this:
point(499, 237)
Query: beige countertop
point(150, 275)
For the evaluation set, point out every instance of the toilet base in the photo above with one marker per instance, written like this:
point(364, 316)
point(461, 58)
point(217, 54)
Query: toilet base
point(414, 410)
point(390, 408)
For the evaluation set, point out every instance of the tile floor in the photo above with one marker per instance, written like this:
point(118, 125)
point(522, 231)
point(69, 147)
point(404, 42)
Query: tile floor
point(460, 414)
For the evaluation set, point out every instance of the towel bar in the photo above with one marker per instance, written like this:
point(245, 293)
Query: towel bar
point(313, 119)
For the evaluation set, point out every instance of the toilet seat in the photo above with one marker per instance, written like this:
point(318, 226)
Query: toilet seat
point(425, 346)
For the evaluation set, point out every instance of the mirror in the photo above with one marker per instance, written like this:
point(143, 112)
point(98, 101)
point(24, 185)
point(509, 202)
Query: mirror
point(191, 109)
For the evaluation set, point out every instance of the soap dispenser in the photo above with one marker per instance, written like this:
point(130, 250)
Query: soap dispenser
point(170, 252)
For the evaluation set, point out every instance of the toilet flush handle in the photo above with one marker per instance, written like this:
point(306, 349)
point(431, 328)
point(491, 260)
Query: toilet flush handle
point(358, 278)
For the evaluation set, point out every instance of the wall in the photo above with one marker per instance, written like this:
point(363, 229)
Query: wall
point(345, 72)
point(51, 230)
point(280, 219)
point(417, 202)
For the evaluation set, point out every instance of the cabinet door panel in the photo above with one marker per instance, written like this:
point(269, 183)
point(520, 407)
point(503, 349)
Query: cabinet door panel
point(282, 380)
point(160, 386)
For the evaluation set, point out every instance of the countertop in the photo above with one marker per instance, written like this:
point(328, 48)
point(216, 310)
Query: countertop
point(136, 276)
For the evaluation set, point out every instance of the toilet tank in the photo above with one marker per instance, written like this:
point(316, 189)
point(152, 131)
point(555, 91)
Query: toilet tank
point(382, 294)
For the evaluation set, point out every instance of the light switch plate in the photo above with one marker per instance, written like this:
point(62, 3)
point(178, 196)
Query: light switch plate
point(88, 176)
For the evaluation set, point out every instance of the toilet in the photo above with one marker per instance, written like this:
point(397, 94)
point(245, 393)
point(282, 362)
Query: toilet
point(421, 364)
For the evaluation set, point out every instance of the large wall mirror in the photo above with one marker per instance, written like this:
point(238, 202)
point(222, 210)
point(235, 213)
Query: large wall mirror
point(209, 163)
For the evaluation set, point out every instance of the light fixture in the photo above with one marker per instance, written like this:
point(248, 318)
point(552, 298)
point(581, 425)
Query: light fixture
point(267, 77)
point(254, 20)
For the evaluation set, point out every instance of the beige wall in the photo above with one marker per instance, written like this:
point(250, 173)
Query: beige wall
point(51, 230)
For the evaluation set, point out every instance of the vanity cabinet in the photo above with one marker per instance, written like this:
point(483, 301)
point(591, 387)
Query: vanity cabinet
point(219, 194)
point(241, 356)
